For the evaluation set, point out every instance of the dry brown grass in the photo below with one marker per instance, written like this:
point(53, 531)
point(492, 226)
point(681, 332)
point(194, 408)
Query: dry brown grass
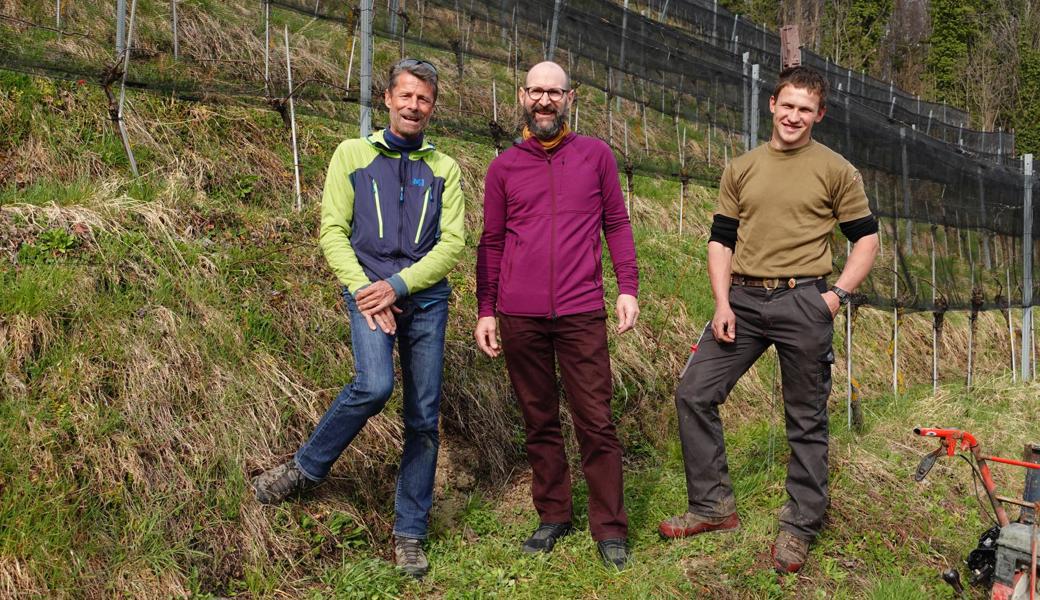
point(18, 581)
point(189, 413)
point(166, 411)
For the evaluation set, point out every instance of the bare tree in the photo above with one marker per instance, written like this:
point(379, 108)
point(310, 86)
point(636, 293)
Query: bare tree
point(988, 89)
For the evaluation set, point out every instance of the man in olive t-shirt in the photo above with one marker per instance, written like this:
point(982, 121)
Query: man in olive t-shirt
point(768, 256)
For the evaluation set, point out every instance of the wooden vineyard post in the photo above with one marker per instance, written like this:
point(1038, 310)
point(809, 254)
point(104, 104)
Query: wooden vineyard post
point(646, 136)
point(292, 122)
point(939, 307)
point(973, 316)
point(682, 200)
point(628, 177)
point(173, 20)
point(628, 163)
point(267, 48)
point(935, 328)
point(350, 62)
point(494, 116)
point(681, 142)
point(895, 318)
point(1011, 329)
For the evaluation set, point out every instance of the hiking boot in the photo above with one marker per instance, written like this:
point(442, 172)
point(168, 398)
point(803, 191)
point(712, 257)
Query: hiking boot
point(688, 524)
point(409, 556)
point(545, 537)
point(614, 552)
point(789, 552)
point(275, 485)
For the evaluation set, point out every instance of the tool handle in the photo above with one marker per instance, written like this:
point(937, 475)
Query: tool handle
point(953, 577)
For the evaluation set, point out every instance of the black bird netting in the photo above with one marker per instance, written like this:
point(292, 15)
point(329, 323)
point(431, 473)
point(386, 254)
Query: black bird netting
point(922, 168)
point(939, 187)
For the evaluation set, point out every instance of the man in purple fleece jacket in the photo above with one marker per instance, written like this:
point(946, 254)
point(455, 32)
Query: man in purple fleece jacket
point(540, 272)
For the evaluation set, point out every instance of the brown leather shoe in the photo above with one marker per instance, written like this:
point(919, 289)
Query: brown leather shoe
point(689, 524)
point(789, 552)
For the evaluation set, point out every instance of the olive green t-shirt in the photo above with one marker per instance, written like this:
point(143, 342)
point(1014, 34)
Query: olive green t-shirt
point(788, 202)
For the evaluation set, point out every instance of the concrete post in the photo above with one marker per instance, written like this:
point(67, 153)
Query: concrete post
point(120, 26)
point(366, 68)
point(753, 113)
point(1027, 264)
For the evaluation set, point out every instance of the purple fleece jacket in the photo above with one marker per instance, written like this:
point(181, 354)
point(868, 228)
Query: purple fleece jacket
point(541, 252)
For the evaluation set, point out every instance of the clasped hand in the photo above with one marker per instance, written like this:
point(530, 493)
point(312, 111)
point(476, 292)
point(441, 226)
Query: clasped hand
point(376, 303)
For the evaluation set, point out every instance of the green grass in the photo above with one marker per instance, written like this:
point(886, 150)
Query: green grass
point(164, 338)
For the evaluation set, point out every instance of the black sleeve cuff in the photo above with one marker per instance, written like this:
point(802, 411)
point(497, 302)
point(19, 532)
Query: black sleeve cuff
point(853, 230)
point(724, 231)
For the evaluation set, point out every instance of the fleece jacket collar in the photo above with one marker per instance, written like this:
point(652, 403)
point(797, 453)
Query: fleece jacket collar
point(533, 146)
point(379, 143)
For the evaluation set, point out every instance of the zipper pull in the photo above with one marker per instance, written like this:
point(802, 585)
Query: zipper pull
point(401, 199)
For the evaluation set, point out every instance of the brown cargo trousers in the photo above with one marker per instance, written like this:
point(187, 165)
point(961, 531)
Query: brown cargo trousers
point(798, 321)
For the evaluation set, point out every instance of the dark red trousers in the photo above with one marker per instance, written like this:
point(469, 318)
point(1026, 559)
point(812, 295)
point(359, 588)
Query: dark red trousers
point(579, 342)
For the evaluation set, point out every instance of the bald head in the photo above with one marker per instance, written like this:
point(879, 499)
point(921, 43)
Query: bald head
point(547, 75)
point(546, 99)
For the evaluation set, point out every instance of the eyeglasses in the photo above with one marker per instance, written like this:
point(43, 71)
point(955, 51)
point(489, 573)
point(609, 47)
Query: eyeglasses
point(408, 63)
point(536, 93)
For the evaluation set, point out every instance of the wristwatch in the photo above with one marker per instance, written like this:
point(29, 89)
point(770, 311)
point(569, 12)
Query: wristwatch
point(843, 296)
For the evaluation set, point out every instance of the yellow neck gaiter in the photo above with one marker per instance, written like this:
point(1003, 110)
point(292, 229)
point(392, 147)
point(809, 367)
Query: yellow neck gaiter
point(551, 143)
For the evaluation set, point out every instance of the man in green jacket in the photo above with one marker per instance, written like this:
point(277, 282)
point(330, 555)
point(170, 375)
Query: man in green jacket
point(391, 229)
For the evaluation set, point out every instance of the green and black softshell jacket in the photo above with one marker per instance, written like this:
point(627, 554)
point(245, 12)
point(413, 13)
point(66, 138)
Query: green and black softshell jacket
point(393, 218)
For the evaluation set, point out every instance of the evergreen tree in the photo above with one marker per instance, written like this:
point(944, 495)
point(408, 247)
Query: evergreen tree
point(1027, 115)
point(953, 28)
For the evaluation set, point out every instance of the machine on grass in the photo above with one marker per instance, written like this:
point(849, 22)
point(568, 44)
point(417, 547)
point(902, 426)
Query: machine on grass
point(1005, 559)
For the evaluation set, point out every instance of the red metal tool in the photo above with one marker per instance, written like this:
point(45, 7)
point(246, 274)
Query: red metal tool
point(1005, 558)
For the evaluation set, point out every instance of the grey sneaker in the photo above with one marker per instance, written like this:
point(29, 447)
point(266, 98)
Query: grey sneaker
point(409, 557)
point(275, 485)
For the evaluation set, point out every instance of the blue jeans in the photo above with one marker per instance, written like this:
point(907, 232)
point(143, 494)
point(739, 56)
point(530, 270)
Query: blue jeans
point(420, 341)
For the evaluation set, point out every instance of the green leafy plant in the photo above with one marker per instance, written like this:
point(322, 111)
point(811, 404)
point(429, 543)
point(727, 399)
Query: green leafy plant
point(50, 246)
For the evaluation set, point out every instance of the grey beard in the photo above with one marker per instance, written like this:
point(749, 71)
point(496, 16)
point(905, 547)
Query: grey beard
point(545, 133)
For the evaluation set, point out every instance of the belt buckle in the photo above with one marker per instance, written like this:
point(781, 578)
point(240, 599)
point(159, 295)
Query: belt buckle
point(775, 281)
point(791, 283)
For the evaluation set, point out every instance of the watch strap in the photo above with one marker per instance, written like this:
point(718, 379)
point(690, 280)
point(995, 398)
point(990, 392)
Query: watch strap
point(843, 296)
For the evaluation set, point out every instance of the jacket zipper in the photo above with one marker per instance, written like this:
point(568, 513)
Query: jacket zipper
point(422, 216)
point(400, 218)
point(552, 241)
point(379, 211)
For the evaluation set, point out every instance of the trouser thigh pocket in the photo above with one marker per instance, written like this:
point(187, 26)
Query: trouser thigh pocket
point(823, 365)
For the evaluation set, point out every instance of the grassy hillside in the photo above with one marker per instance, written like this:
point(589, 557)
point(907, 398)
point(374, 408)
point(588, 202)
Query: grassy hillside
point(164, 338)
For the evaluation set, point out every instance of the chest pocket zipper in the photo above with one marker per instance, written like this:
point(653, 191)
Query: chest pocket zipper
point(379, 211)
point(422, 216)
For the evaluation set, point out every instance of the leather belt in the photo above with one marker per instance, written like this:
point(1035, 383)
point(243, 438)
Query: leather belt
point(771, 283)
